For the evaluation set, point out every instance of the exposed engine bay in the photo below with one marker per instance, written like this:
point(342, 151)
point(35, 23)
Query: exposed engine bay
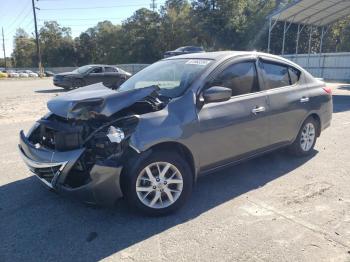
point(104, 138)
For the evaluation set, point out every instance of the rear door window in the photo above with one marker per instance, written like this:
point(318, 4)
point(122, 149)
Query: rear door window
point(240, 77)
point(275, 75)
point(110, 69)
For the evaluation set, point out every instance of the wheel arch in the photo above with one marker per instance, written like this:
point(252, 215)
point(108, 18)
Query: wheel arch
point(182, 150)
point(316, 117)
point(135, 157)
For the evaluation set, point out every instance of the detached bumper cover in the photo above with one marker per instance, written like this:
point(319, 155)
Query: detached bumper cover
point(52, 168)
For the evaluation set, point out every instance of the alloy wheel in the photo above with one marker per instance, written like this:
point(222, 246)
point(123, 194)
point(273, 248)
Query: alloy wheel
point(159, 185)
point(307, 137)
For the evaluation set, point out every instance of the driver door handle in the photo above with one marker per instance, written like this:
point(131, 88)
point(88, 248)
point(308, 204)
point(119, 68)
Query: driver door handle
point(258, 109)
point(304, 99)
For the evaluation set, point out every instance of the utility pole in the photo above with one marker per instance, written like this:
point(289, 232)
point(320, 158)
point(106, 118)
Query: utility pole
point(153, 5)
point(3, 45)
point(37, 39)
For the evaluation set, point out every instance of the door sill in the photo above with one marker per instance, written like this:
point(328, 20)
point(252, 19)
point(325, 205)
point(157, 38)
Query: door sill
point(243, 158)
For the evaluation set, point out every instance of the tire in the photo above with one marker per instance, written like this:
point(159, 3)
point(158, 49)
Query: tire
point(305, 140)
point(156, 200)
point(76, 83)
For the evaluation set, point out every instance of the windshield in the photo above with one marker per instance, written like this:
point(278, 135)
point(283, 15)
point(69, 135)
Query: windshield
point(172, 76)
point(82, 70)
point(180, 48)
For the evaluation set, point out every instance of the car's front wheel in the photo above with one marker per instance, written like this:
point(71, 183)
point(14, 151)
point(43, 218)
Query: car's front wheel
point(160, 184)
point(76, 83)
point(306, 139)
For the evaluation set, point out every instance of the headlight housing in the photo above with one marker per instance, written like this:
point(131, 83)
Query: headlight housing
point(115, 134)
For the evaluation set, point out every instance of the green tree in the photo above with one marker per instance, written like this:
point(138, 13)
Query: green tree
point(57, 45)
point(176, 25)
point(108, 41)
point(141, 37)
point(86, 47)
point(338, 37)
point(24, 54)
point(9, 62)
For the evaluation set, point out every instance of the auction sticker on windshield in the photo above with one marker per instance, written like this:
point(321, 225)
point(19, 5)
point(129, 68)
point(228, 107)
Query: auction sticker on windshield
point(198, 62)
point(161, 84)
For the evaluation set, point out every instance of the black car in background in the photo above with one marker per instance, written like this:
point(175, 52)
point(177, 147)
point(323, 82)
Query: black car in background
point(110, 76)
point(46, 73)
point(184, 50)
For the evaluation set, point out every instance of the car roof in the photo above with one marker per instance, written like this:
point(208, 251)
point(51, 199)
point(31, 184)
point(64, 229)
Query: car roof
point(187, 46)
point(222, 55)
point(101, 65)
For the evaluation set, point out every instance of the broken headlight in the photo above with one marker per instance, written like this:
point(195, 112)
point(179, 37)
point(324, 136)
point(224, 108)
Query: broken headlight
point(115, 134)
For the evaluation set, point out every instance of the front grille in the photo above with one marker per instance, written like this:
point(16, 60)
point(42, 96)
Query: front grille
point(47, 173)
point(59, 135)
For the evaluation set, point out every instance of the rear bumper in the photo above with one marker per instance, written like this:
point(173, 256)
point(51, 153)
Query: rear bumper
point(326, 113)
point(52, 168)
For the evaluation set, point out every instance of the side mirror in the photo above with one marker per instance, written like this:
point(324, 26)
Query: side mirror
point(216, 94)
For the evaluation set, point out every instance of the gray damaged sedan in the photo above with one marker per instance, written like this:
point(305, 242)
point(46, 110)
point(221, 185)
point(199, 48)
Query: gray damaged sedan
point(178, 118)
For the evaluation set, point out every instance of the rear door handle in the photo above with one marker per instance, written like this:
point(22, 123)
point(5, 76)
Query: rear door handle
point(304, 99)
point(258, 110)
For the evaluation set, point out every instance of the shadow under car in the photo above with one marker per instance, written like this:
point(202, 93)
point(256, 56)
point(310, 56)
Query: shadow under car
point(39, 225)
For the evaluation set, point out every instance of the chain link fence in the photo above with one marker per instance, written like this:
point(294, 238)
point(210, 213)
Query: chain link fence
point(131, 68)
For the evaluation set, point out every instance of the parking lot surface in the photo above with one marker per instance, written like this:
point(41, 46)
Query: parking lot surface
point(272, 208)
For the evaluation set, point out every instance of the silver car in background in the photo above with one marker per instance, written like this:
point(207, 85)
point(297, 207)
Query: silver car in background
point(12, 74)
point(31, 73)
point(22, 73)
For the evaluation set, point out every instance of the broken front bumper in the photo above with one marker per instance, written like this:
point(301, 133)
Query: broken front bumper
point(52, 168)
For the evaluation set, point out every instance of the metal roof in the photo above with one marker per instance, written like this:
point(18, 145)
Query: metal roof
point(313, 12)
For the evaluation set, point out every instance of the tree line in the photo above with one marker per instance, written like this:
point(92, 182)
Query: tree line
point(146, 35)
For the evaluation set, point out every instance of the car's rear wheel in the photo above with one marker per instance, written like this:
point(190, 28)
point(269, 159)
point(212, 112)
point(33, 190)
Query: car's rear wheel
point(306, 139)
point(160, 184)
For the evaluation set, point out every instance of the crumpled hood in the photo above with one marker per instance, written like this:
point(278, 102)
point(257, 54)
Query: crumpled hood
point(94, 100)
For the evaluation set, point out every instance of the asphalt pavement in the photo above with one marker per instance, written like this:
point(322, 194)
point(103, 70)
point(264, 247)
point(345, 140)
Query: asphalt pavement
point(272, 208)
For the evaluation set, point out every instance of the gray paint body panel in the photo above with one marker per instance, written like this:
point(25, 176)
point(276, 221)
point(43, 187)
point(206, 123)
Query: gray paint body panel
point(216, 134)
point(220, 133)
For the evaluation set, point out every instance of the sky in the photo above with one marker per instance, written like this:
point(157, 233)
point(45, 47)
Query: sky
point(79, 15)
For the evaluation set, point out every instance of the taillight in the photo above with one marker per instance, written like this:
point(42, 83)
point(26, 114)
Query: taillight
point(327, 89)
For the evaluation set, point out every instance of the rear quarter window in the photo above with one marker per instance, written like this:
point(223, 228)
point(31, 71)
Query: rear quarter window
point(294, 75)
point(275, 75)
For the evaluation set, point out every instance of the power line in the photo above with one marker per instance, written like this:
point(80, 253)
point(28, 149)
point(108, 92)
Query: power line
point(19, 14)
point(86, 8)
point(86, 25)
point(83, 19)
point(16, 25)
point(27, 27)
